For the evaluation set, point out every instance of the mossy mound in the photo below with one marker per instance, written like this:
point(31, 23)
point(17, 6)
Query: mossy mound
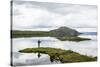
point(64, 56)
point(64, 31)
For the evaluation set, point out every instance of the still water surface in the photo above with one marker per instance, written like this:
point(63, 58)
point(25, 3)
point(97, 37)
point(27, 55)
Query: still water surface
point(88, 47)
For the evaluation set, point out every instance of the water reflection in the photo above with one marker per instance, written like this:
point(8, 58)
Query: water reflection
point(84, 47)
point(33, 59)
point(39, 47)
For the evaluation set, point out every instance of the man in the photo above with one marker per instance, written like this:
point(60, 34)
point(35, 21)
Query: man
point(39, 43)
point(38, 47)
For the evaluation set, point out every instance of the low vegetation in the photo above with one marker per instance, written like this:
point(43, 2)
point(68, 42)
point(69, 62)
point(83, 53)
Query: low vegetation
point(64, 56)
point(17, 34)
point(72, 38)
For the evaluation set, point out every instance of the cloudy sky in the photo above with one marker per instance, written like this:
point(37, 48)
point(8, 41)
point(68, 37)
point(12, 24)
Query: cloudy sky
point(30, 15)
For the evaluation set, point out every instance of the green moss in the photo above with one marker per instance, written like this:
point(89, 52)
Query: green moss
point(65, 56)
point(72, 38)
point(16, 34)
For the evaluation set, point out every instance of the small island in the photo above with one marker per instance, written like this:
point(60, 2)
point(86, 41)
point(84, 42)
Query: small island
point(62, 33)
point(64, 56)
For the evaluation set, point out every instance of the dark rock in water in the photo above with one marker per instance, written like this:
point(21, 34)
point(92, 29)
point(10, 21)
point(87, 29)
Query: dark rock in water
point(64, 31)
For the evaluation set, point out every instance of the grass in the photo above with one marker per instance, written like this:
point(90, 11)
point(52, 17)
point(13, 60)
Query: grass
point(72, 38)
point(17, 34)
point(64, 56)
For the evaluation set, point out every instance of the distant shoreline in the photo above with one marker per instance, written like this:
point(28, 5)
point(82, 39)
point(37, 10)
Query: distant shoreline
point(88, 33)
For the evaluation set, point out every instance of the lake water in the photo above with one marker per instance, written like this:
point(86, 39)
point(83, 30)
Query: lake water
point(88, 47)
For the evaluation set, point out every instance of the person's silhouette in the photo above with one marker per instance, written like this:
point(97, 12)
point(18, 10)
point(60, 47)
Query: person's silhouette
point(39, 55)
point(39, 47)
point(39, 43)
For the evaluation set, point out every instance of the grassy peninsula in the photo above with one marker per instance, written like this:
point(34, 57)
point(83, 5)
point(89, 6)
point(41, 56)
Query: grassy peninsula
point(64, 56)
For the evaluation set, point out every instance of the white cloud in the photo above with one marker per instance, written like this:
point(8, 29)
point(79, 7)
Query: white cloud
point(30, 16)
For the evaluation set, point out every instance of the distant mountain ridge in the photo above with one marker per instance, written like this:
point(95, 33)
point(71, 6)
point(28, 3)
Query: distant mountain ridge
point(62, 33)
